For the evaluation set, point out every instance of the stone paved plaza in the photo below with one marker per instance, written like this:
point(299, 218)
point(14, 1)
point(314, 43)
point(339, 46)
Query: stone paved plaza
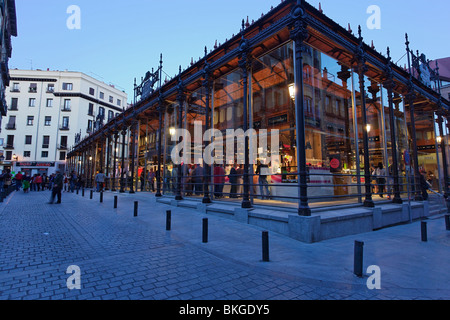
point(121, 256)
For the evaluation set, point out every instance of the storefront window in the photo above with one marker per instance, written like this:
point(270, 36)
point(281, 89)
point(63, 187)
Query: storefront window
point(273, 109)
point(228, 106)
point(329, 129)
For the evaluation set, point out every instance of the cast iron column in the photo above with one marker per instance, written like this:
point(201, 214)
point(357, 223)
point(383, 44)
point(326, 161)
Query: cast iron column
point(116, 137)
point(389, 85)
point(299, 34)
point(361, 70)
point(108, 159)
point(207, 85)
point(444, 160)
point(133, 149)
point(411, 96)
point(160, 130)
point(244, 64)
point(122, 182)
point(180, 98)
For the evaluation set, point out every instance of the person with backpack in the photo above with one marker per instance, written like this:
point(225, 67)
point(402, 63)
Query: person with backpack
point(58, 183)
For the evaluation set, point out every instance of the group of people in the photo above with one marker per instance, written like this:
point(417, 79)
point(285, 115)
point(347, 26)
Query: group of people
point(56, 182)
point(194, 178)
point(380, 177)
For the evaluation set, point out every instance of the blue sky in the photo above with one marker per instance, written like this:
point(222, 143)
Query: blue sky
point(121, 40)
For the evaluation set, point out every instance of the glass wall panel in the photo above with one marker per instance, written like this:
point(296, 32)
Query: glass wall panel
point(426, 145)
point(329, 130)
point(403, 150)
point(274, 109)
point(170, 172)
point(194, 173)
point(228, 106)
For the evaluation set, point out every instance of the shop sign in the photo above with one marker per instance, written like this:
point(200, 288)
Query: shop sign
point(278, 120)
point(35, 164)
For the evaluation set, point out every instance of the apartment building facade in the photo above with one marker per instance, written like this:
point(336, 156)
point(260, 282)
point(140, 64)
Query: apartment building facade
point(8, 29)
point(48, 112)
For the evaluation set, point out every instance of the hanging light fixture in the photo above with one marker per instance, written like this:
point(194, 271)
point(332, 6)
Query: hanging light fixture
point(291, 88)
point(439, 139)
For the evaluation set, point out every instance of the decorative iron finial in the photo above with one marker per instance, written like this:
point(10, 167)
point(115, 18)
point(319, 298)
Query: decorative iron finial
point(389, 53)
point(360, 33)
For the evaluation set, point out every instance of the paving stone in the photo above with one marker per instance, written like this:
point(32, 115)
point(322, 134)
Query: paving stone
point(122, 257)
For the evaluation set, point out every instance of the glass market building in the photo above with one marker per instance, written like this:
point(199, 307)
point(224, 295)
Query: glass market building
point(342, 110)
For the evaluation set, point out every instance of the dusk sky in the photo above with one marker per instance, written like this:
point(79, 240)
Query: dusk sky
point(121, 40)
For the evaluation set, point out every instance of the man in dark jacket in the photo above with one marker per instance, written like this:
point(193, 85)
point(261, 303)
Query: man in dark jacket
point(58, 182)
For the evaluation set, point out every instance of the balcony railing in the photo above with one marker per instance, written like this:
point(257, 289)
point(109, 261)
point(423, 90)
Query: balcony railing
point(64, 128)
point(9, 146)
point(11, 126)
point(66, 109)
point(62, 147)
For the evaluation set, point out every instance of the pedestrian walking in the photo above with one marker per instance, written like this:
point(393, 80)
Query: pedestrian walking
point(18, 178)
point(58, 183)
point(100, 180)
point(262, 171)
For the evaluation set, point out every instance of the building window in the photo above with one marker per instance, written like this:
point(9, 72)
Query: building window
point(14, 104)
point(15, 87)
point(11, 125)
point(91, 109)
point(10, 141)
point(27, 154)
point(91, 91)
point(66, 106)
point(48, 121)
point(119, 102)
point(50, 88)
point(30, 120)
point(110, 115)
point(102, 95)
point(111, 99)
point(28, 139)
point(62, 156)
point(89, 127)
point(33, 88)
point(68, 86)
point(45, 142)
point(65, 123)
point(63, 143)
point(44, 154)
point(49, 103)
point(8, 156)
point(101, 112)
point(32, 102)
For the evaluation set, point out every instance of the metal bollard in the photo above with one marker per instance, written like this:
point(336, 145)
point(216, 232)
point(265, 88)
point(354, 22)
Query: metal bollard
point(82, 192)
point(423, 227)
point(358, 259)
point(135, 208)
point(101, 197)
point(168, 220)
point(265, 246)
point(92, 194)
point(77, 191)
point(447, 222)
point(205, 230)
point(115, 202)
